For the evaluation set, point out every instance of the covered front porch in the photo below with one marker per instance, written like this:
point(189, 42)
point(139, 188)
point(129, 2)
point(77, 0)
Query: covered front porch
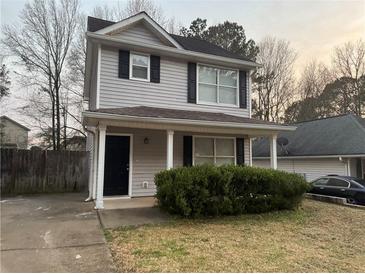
point(129, 150)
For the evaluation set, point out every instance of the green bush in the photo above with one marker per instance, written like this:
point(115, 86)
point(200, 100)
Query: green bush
point(208, 190)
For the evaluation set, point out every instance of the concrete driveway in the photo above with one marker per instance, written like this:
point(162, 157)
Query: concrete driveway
point(52, 233)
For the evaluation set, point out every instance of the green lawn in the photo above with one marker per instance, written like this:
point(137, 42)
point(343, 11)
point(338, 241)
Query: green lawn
point(319, 237)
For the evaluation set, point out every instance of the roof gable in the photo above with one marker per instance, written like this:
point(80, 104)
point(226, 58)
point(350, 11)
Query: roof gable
point(6, 118)
point(140, 32)
point(141, 17)
point(339, 135)
point(100, 26)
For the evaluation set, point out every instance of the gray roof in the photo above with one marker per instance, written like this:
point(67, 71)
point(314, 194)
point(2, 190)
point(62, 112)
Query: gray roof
point(143, 111)
point(339, 135)
point(4, 117)
point(199, 45)
point(188, 43)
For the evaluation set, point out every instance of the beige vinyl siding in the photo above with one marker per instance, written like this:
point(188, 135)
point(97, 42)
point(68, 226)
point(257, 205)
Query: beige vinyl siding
point(148, 159)
point(171, 92)
point(139, 33)
point(312, 168)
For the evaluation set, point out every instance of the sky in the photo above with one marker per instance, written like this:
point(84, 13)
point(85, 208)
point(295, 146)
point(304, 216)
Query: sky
point(313, 28)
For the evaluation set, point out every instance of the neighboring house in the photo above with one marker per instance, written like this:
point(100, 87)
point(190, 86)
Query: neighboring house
point(13, 134)
point(334, 145)
point(158, 100)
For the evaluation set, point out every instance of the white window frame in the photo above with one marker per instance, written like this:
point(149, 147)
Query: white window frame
point(131, 54)
point(215, 148)
point(218, 68)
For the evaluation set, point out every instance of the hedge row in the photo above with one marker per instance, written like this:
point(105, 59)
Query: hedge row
point(208, 190)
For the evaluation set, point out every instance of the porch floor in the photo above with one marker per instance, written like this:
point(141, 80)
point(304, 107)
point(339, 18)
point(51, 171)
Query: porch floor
point(126, 203)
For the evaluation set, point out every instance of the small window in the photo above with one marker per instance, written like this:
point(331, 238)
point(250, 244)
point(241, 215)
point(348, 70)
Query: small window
point(140, 67)
point(337, 182)
point(217, 151)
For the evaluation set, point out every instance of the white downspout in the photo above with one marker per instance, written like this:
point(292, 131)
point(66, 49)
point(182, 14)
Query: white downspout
point(91, 169)
point(348, 167)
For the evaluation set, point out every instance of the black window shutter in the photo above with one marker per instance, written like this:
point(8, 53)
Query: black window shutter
point(188, 150)
point(192, 83)
point(123, 64)
point(155, 69)
point(240, 151)
point(243, 89)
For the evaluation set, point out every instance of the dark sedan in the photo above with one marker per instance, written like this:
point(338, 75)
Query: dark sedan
point(351, 188)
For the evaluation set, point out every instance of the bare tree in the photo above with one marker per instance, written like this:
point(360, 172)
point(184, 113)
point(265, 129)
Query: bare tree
point(4, 79)
point(273, 83)
point(313, 79)
point(349, 63)
point(124, 9)
point(42, 45)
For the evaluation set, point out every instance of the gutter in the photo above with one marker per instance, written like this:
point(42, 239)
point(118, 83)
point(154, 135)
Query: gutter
point(170, 51)
point(313, 157)
point(129, 118)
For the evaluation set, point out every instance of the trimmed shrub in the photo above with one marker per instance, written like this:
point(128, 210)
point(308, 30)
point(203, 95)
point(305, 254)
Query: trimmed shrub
point(208, 190)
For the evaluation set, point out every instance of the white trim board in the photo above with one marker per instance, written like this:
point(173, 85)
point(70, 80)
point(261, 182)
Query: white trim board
point(130, 135)
point(97, 102)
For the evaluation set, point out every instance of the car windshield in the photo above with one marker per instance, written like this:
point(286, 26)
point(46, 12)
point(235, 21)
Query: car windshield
point(360, 181)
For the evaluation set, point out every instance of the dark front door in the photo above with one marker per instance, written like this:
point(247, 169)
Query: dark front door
point(116, 172)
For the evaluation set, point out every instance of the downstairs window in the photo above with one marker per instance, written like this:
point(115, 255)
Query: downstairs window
point(214, 150)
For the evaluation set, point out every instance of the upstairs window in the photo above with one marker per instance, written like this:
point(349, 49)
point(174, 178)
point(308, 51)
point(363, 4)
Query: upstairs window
point(139, 67)
point(217, 86)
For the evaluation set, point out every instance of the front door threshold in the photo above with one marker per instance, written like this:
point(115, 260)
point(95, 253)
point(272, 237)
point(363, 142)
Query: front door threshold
point(117, 197)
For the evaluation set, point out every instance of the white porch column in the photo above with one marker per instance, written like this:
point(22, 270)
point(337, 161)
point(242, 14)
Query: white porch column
point(250, 144)
point(101, 157)
point(349, 167)
point(95, 163)
point(170, 149)
point(273, 153)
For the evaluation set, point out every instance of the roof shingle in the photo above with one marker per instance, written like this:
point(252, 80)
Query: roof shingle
point(144, 111)
point(339, 135)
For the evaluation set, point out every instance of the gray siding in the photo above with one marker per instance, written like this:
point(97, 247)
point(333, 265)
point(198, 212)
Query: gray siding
point(171, 92)
point(148, 159)
point(139, 33)
point(312, 168)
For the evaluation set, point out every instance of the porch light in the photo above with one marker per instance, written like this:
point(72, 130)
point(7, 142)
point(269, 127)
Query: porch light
point(146, 141)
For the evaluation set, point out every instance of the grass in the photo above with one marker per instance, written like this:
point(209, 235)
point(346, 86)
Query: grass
point(318, 237)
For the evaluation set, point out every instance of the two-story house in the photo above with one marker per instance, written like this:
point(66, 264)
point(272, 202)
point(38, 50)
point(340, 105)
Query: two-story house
point(158, 100)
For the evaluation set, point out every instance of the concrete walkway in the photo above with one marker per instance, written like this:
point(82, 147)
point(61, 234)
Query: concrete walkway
point(52, 233)
point(114, 218)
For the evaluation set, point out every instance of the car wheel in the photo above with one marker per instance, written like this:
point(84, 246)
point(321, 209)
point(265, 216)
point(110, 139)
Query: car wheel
point(351, 201)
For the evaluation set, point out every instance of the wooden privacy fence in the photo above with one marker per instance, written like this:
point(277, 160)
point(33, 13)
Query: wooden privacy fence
point(42, 171)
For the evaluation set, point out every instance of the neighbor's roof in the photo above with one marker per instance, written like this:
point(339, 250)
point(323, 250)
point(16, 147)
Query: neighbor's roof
point(14, 122)
point(152, 112)
point(339, 135)
point(188, 43)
